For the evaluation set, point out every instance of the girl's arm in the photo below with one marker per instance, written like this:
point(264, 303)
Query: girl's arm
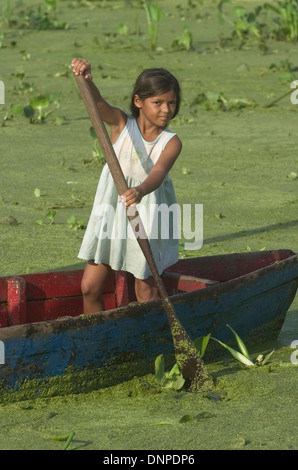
point(157, 174)
point(111, 115)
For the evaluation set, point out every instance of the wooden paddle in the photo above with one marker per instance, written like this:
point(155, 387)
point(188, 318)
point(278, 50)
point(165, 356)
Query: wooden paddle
point(188, 359)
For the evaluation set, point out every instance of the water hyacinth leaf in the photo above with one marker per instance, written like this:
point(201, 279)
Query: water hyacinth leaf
point(68, 437)
point(71, 220)
point(239, 12)
point(175, 382)
point(240, 343)
point(40, 102)
point(201, 343)
point(267, 357)
point(174, 370)
point(60, 120)
point(172, 380)
point(159, 368)
point(50, 4)
point(16, 108)
point(185, 171)
point(261, 360)
point(50, 215)
point(122, 29)
point(186, 419)
point(204, 344)
point(28, 111)
point(236, 354)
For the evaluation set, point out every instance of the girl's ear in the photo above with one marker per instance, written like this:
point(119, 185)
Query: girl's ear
point(137, 101)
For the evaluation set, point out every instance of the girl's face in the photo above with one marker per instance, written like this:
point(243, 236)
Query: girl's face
point(158, 110)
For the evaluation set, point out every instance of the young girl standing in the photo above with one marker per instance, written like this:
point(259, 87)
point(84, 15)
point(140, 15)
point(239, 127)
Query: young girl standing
point(146, 150)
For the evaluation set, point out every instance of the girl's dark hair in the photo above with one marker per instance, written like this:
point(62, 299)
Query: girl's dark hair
point(154, 82)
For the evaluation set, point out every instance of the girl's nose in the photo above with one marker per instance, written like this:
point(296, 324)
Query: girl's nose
point(166, 108)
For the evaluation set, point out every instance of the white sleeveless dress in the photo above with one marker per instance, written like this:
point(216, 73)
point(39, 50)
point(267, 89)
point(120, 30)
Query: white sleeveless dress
point(109, 237)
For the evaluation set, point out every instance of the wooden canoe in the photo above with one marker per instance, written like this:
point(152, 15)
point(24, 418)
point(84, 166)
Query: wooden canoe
point(43, 331)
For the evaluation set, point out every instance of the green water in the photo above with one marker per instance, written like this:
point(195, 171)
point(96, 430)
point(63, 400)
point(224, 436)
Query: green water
point(248, 409)
point(236, 163)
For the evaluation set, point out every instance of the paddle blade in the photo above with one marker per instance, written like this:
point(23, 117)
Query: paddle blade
point(187, 356)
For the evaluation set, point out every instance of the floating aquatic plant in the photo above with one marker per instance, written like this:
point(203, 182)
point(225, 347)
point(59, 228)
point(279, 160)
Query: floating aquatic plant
point(214, 100)
point(65, 437)
point(286, 20)
point(75, 224)
point(37, 110)
point(184, 41)
point(242, 355)
point(174, 380)
point(154, 15)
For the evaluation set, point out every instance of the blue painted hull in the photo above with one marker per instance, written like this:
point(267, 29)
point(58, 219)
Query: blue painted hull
point(254, 304)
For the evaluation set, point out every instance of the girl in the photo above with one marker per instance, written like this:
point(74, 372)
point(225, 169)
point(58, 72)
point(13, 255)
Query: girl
point(146, 150)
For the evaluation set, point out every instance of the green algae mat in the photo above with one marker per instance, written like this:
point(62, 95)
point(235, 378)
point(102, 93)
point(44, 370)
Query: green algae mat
point(239, 161)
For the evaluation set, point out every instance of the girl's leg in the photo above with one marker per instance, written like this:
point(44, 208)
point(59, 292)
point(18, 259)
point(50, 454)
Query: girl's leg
point(93, 282)
point(145, 289)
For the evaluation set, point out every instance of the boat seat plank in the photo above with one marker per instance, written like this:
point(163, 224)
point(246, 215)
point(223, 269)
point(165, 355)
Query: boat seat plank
point(185, 283)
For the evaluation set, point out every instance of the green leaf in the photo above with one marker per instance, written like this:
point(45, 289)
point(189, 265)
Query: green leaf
point(123, 29)
point(28, 111)
point(65, 437)
point(239, 12)
point(50, 4)
point(185, 171)
point(237, 355)
point(241, 26)
point(240, 343)
point(159, 368)
point(60, 120)
point(16, 108)
point(204, 344)
point(186, 419)
point(286, 77)
point(40, 102)
point(50, 215)
point(37, 192)
point(175, 382)
point(174, 370)
point(71, 220)
point(261, 360)
point(201, 343)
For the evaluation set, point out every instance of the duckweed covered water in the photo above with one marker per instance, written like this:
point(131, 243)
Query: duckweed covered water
point(248, 409)
point(239, 163)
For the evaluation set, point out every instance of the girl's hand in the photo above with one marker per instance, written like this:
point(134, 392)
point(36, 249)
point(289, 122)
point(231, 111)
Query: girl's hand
point(133, 196)
point(81, 67)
